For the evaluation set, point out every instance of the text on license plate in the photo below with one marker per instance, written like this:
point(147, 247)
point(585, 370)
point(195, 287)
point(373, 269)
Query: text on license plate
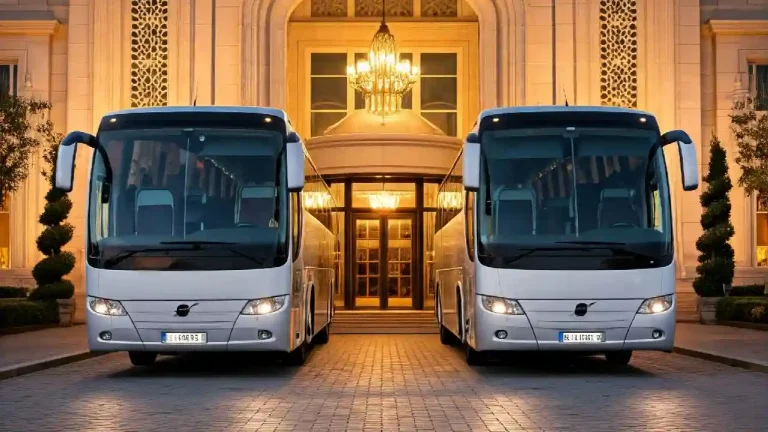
point(581, 337)
point(183, 338)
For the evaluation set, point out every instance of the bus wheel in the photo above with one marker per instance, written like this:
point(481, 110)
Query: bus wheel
point(618, 358)
point(472, 356)
point(142, 358)
point(298, 356)
point(321, 338)
point(446, 337)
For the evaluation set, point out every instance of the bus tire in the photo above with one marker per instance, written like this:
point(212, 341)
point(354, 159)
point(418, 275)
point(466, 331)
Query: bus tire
point(322, 337)
point(298, 356)
point(446, 337)
point(142, 358)
point(618, 358)
point(473, 356)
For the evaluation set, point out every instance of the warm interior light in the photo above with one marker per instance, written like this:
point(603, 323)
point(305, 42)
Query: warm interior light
point(315, 200)
point(384, 200)
point(449, 200)
point(383, 79)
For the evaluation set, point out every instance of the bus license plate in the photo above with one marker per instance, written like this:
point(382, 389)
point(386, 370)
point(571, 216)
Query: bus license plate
point(581, 337)
point(183, 338)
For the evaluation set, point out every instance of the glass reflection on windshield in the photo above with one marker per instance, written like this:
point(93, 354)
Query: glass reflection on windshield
point(184, 190)
point(551, 189)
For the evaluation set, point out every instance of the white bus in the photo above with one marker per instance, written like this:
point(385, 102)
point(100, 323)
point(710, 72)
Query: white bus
point(554, 232)
point(197, 236)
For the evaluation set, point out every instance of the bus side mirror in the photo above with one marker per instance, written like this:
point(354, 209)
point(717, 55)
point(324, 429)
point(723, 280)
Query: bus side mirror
point(471, 168)
point(294, 152)
point(689, 167)
point(65, 158)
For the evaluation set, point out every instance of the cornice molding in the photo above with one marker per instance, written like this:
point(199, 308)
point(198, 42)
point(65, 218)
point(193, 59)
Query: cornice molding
point(28, 27)
point(738, 27)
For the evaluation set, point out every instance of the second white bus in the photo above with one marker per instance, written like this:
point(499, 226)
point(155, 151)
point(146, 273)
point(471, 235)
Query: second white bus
point(562, 237)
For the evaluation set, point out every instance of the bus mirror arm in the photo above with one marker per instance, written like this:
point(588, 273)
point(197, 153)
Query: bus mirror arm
point(689, 166)
point(65, 162)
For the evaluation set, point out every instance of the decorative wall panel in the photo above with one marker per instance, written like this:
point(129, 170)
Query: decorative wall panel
point(618, 53)
point(149, 53)
point(329, 8)
point(439, 8)
point(395, 8)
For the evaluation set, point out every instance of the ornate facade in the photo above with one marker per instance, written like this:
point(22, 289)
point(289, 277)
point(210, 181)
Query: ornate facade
point(684, 61)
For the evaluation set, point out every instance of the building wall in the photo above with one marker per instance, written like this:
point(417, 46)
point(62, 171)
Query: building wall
point(734, 35)
point(33, 36)
point(529, 52)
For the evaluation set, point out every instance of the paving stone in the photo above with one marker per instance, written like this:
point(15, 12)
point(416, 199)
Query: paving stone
point(387, 383)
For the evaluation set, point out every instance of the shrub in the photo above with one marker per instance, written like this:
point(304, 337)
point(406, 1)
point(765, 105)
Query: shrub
point(716, 265)
point(22, 312)
point(62, 289)
point(12, 292)
point(50, 271)
point(755, 290)
point(745, 309)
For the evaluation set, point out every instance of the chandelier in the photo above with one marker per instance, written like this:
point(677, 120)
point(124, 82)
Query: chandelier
point(383, 79)
point(383, 200)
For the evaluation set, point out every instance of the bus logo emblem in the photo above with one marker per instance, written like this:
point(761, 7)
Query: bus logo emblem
point(183, 310)
point(582, 308)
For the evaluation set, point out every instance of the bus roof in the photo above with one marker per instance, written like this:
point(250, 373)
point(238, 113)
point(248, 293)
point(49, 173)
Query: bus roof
point(201, 109)
point(559, 108)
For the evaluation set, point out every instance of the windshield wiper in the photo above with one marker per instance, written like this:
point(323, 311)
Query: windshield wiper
point(590, 242)
point(611, 246)
point(114, 260)
point(198, 244)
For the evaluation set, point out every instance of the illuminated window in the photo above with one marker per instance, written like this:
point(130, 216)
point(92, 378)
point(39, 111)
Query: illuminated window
point(761, 231)
point(758, 85)
point(435, 97)
point(5, 233)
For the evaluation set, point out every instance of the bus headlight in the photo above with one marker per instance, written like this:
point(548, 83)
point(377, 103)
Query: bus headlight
point(501, 305)
point(106, 307)
point(264, 306)
point(657, 304)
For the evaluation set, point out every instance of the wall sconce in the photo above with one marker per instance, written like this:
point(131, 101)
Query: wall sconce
point(28, 81)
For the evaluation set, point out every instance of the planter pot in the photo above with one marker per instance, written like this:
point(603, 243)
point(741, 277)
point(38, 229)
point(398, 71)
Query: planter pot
point(66, 311)
point(705, 307)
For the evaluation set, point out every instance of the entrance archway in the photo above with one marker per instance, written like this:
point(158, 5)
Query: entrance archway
point(264, 51)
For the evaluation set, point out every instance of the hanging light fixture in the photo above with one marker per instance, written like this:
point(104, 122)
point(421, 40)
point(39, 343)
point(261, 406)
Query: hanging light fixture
point(383, 79)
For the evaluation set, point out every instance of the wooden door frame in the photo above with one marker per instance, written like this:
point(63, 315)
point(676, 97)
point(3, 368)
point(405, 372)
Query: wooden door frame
point(383, 218)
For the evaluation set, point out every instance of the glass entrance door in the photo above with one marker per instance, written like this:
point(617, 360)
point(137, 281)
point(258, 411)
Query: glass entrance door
point(383, 269)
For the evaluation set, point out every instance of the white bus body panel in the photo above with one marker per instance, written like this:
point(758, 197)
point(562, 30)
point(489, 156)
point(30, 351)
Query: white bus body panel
point(550, 297)
point(150, 299)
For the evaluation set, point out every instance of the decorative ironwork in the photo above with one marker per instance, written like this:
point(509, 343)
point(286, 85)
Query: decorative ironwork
point(618, 53)
point(372, 8)
point(439, 8)
point(149, 53)
point(329, 8)
point(383, 79)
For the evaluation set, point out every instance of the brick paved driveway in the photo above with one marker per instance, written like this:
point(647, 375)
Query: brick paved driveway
point(381, 382)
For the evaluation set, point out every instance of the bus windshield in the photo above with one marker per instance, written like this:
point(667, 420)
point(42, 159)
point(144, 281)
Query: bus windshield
point(188, 199)
point(573, 199)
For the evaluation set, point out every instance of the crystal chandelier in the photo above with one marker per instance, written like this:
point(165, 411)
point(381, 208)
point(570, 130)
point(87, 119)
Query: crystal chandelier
point(383, 79)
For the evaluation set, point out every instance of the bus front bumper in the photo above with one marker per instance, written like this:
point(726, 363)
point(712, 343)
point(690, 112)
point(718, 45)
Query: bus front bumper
point(240, 335)
point(521, 335)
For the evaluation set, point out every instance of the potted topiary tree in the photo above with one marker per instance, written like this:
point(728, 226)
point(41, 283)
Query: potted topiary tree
point(50, 271)
point(716, 267)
